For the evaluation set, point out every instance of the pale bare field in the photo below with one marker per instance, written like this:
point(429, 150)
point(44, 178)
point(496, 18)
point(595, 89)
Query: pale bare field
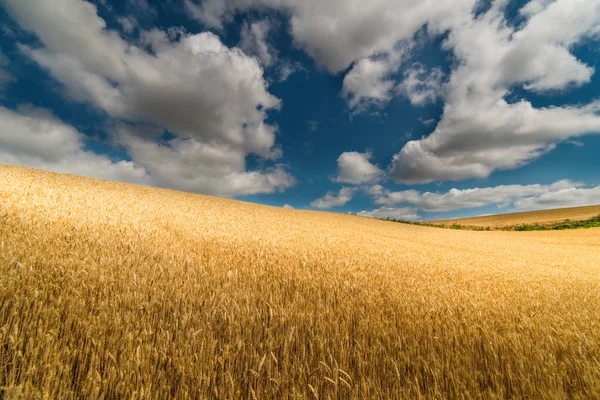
point(529, 217)
point(109, 290)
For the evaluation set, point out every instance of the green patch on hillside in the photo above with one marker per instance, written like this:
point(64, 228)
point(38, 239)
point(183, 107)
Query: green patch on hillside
point(593, 222)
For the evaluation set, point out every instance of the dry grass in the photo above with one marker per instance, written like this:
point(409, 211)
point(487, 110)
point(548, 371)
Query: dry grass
point(530, 217)
point(110, 290)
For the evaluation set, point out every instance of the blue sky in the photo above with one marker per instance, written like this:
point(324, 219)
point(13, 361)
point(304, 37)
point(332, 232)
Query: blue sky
point(402, 109)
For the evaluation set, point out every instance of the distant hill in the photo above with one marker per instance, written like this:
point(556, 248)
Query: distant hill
point(529, 217)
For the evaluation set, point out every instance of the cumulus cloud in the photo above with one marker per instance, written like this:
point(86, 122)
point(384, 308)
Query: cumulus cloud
point(254, 41)
point(564, 193)
point(373, 38)
point(367, 83)
point(401, 213)
point(480, 131)
point(288, 207)
point(34, 137)
point(331, 199)
point(370, 82)
point(129, 24)
point(337, 34)
point(355, 168)
point(421, 86)
point(285, 69)
point(566, 197)
point(214, 99)
point(186, 164)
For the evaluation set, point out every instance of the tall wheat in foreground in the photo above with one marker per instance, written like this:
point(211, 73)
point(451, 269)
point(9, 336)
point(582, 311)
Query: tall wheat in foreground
point(109, 290)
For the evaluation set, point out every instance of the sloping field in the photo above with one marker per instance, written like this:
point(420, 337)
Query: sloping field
point(529, 217)
point(109, 290)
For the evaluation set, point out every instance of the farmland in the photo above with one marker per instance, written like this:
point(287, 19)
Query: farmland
point(111, 290)
point(541, 217)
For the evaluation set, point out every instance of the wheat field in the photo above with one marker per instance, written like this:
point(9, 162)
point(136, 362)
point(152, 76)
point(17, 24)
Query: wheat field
point(110, 291)
point(527, 217)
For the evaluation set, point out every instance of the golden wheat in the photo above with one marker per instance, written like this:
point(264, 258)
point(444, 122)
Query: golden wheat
point(109, 290)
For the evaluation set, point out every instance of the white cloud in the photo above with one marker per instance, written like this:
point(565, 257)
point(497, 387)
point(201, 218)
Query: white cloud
point(167, 89)
point(38, 134)
point(209, 12)
point(481, 132)
point(5, 76)
point(400, 213)
point(213, 98)
point(189, 165)
point(534, 7)
point(254, 41)
point(332, 199)
point(288, 207)
point(421, 86)
point(72, 28)
point(562, 193)
point(142, 6)
point(375, 190)
point(565, 197)
point(355, 168)
point(576, 143)
point(369, 82)
point(375, 36)
point(35, 138)
point(427, 122)
point(129, 24)
point(337, 34)
point(285, 69)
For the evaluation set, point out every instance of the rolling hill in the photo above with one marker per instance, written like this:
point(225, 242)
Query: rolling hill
point(528, 217)
point(111, 290)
